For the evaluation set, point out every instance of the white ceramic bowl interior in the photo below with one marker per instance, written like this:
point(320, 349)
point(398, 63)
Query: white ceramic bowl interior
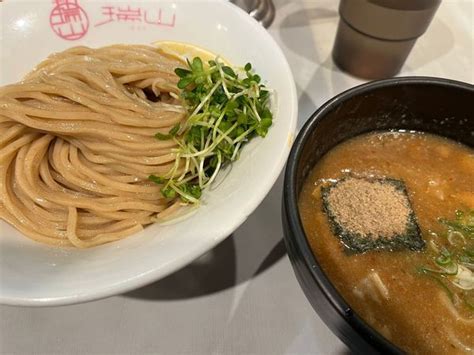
point(35, 274)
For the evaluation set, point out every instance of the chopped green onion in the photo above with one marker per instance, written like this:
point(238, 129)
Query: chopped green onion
point(444, 258)
point(454, 259)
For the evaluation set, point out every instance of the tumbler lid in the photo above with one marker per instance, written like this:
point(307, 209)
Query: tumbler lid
point(389, 19)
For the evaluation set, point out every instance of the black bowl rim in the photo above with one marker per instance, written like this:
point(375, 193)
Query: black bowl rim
point(290, 200)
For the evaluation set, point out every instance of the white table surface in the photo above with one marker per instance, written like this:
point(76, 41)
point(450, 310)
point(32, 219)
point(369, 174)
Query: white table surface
point(241, 297)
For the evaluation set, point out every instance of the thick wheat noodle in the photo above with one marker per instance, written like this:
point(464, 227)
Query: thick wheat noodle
point(120, 111)
point(77, 144)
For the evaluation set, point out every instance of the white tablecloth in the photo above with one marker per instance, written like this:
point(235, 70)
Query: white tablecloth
point(242, 297)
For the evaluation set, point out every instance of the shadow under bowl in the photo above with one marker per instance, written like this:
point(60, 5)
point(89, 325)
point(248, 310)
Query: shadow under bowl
point(434, 105)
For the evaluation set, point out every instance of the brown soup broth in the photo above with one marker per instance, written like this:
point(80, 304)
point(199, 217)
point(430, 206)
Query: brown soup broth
point(411, 309)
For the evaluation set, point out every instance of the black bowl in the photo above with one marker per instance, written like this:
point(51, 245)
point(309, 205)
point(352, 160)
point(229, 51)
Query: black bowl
point(434, 105)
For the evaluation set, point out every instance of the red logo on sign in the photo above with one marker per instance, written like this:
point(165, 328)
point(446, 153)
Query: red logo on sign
point(68, 20)
point(136, 15)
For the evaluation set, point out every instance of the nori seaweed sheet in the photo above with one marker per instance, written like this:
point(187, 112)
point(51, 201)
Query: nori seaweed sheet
point(357, 243)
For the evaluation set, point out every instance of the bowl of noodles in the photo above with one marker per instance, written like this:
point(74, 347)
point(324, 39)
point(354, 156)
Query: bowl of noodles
point(133, 139)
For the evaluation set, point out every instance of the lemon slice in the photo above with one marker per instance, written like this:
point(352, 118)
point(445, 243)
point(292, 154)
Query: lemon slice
point(183, 51)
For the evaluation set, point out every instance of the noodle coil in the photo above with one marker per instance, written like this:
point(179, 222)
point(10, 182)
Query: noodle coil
point(77, 144)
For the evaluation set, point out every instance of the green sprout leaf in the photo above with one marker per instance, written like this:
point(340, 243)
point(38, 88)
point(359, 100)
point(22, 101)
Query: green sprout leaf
point(197, 65)
point(156, 179)
point(173, 131)
point(229, 71)
point(168, 192)
point(184, 82)
point(182, 72)
point(227, 107)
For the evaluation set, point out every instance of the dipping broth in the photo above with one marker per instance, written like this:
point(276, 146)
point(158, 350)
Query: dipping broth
point(421, 300)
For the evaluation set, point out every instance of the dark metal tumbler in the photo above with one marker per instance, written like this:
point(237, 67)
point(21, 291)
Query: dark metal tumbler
point(374, 37)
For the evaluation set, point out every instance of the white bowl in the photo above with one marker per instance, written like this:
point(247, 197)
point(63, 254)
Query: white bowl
point(37, 275)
